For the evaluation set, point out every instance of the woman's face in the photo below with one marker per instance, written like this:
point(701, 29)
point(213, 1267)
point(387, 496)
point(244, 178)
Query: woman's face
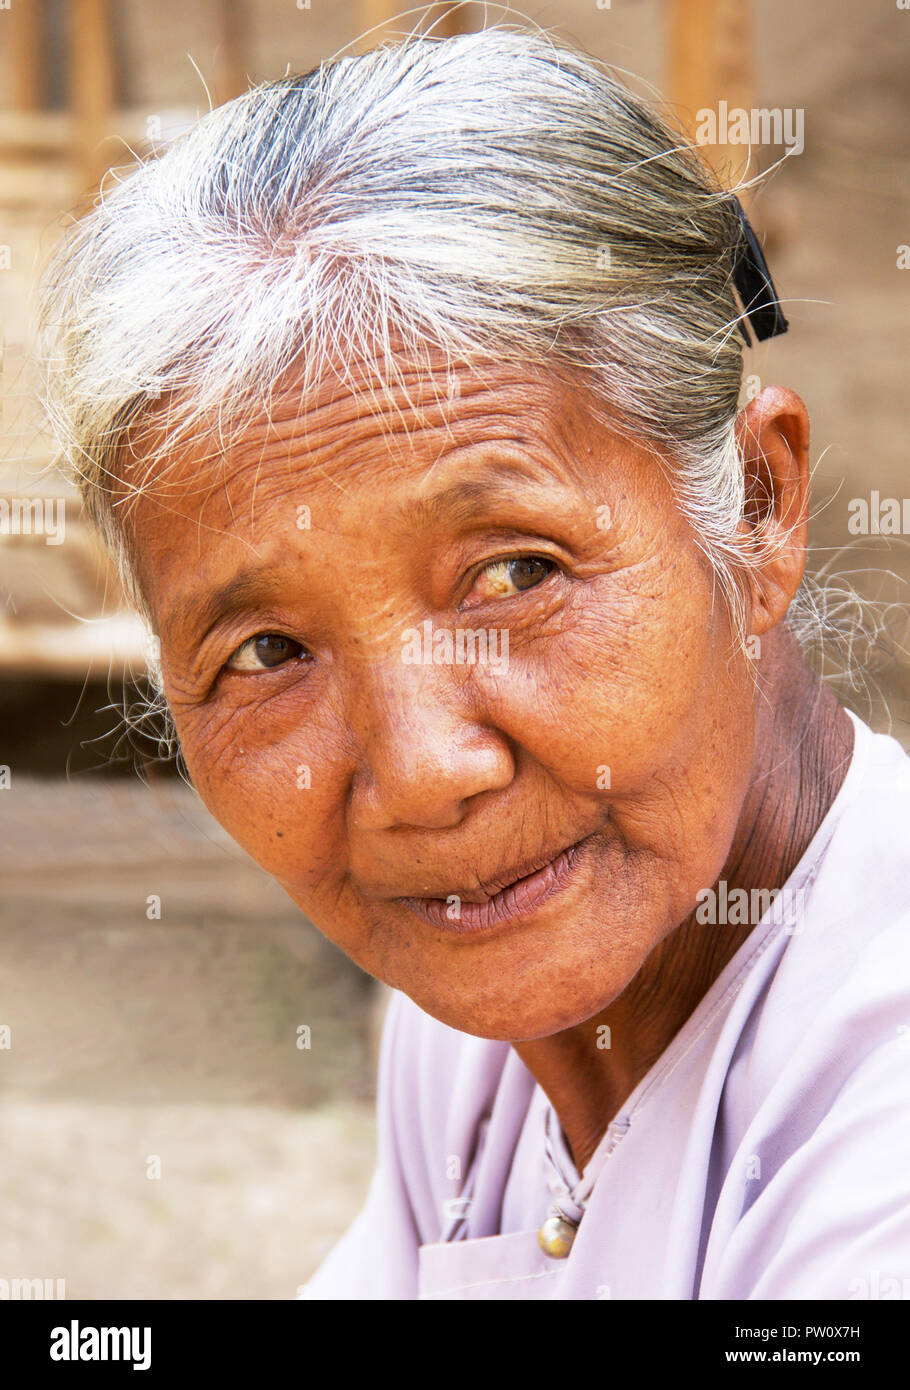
point(313, 600)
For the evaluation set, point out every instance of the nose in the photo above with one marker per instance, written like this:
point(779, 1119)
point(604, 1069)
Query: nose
point(423, 748)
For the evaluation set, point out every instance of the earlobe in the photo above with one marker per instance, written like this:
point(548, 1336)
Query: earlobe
point(773, 437)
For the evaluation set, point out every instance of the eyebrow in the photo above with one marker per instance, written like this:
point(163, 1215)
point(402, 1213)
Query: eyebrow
point(463, 500)
point(459, 502)
point(202, 612)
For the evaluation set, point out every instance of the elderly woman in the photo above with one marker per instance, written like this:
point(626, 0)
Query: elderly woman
point(407, 395)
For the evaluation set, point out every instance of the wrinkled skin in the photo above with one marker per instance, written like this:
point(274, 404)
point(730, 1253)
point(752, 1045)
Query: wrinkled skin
point(437, 779)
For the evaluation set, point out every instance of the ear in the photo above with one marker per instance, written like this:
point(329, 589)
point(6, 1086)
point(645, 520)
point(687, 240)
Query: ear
point(773, 437)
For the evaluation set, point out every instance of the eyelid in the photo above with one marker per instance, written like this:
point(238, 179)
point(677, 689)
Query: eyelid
point(231, 632)
point(530, 551)
point(507, 559)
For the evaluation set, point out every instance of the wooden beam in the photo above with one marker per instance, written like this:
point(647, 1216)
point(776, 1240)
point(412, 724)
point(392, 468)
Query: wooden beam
point(100, 646)
point(25, 34)
point(383, 21)
point(52, 134)
point(710, 60)
point(35, 132)
point(232, 66)
point(91, 87)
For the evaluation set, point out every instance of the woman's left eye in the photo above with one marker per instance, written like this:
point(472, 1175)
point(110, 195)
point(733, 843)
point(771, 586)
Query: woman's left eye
point(505, 578)
point(264, 652)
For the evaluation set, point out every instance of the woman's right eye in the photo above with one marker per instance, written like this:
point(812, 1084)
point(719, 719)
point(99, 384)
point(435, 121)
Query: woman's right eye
point(264, 652)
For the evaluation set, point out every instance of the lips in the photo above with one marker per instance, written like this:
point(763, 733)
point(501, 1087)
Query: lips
point(517, 898)
point(482, 892)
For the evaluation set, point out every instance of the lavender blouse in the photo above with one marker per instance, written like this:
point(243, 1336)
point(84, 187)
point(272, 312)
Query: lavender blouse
point(766, 1154)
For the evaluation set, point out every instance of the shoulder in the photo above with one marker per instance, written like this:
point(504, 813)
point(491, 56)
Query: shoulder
point(432, 1068)
point(435, 1086)
point(850, 940)
point(433, 1083)
point(817, 1109)
point(842, 983)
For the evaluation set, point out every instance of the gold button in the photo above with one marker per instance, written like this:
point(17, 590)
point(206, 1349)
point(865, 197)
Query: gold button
point(555, 1237)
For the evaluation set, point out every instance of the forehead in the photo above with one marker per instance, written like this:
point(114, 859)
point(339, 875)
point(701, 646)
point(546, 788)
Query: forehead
point(364, 436)
point(377, 473)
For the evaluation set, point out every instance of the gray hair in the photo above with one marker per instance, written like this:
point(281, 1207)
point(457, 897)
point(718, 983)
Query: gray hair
point(496, 196)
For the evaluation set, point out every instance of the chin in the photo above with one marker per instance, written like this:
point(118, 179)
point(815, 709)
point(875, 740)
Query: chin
point(531, 983)
point(502, 1015)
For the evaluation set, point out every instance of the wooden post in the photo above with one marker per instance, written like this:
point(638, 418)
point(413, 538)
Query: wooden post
point(386, 20)
point(710, 60)
point(91, 88)
point(233, 49)
point(25, 34)
point(450, 20)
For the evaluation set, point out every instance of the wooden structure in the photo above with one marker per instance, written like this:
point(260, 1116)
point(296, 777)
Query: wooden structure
point(710, 61)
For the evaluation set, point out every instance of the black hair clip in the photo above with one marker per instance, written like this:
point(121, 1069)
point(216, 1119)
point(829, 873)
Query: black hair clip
point(754, 284)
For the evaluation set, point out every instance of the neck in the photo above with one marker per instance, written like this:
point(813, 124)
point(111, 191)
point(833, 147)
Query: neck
point(803, 742)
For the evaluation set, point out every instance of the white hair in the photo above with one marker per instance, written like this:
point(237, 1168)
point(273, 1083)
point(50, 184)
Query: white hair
point(497, 196)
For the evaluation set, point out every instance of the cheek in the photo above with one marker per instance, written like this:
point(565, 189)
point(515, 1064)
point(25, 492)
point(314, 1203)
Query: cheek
point(634, 681)
point(280, 798)
point(638, 707)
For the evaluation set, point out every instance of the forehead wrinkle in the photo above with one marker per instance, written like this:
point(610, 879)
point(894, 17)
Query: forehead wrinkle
point(289, 423)
point(343, 416)
point(545, 460)
point(173, 510)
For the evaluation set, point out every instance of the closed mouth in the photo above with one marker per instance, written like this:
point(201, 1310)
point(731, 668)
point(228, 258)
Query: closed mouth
point(517, 898)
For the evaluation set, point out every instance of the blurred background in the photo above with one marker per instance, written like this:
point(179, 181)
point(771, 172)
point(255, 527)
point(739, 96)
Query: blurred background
point(187, 1066)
